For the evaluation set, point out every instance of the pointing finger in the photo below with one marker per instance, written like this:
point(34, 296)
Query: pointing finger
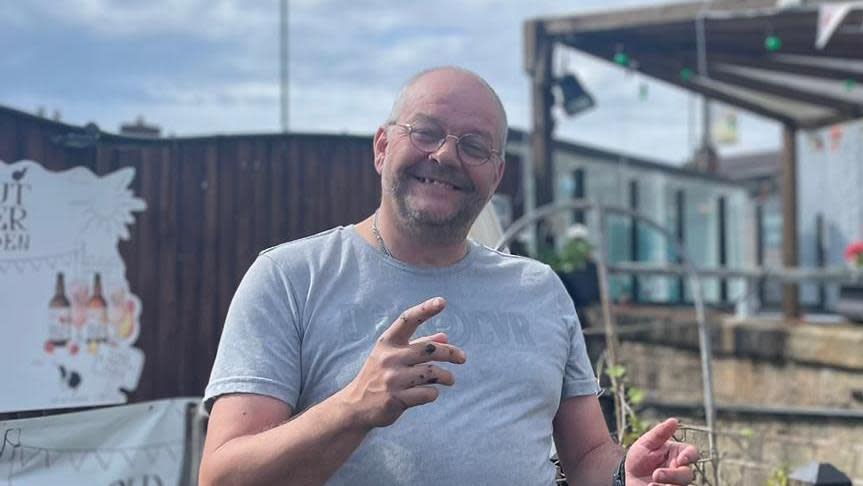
point(404, 327)
point(657, 436)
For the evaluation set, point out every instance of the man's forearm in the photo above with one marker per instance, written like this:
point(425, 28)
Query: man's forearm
point(306, 450)
point(596, 467)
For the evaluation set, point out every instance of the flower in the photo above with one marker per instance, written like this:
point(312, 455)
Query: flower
point(854, 254)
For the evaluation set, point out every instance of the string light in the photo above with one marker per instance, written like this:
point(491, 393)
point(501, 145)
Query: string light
point(686, 74)
point(773, 43)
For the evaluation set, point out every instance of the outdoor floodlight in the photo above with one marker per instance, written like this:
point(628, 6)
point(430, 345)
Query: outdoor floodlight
point(575, 98)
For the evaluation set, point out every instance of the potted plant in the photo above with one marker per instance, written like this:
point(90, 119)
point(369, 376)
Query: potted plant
point(850, 302)
point(574, 266)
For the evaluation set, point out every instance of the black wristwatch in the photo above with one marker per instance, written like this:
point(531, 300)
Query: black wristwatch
point(619, 477)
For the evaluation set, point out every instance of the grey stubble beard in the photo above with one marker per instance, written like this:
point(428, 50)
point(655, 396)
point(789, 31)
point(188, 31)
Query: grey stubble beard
point(434, 231)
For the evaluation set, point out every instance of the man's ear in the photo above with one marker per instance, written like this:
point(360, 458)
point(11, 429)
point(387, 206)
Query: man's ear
point(380, 148)
point(499, 169)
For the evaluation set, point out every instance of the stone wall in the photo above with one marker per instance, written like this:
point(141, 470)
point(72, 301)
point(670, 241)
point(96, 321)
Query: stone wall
point(786, 394)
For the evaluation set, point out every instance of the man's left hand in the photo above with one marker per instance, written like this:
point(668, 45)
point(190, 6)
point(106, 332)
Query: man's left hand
point(656, 459)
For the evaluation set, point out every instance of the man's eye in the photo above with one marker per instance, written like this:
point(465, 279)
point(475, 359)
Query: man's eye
point(426, 134)
point(474, 149)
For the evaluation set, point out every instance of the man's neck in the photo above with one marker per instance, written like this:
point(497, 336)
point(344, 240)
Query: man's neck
point(409, 248)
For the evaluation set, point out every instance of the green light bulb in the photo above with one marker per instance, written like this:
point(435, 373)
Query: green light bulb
point(772, 43)
point(686, 74)
point(621, 58)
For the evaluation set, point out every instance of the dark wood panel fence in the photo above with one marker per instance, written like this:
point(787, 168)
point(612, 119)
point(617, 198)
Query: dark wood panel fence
point(212, 204)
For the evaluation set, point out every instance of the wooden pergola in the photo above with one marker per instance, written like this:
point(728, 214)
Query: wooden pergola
point(719, 49)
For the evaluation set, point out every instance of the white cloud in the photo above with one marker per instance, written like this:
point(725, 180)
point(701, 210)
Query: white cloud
point(212, 66)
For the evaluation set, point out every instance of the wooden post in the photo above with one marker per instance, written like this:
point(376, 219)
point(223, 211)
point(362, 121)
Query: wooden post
point(790, 291)
point(538, 50)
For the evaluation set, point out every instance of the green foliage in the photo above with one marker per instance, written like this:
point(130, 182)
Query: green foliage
point(636, 428)
point(573, 256)
point(633, 396)
point(779, 477)
point(617, 371)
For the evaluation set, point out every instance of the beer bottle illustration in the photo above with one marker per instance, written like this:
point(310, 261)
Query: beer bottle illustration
point(59, 317)
point(97, 317)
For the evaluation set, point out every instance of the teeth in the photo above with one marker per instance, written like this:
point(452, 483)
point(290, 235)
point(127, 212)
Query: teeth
point(426, 180)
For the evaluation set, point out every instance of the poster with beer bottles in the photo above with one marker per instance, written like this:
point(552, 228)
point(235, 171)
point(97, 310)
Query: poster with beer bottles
point(68, 319)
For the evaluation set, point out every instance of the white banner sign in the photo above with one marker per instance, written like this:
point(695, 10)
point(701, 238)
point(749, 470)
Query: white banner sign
point(68, 320)
point(133, 445)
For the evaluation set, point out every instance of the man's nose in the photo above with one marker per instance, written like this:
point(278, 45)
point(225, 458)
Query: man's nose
point(447, 152)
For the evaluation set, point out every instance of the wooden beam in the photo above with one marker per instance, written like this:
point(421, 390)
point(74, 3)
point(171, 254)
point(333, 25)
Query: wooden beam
point(645, 16)
point(775, 63)
point(790, 292)
point(698, 85)
point(843, 106)
point(619, 19)
point(538, 53)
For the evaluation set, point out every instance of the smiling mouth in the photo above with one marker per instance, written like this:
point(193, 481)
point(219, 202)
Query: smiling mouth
point(426, 180)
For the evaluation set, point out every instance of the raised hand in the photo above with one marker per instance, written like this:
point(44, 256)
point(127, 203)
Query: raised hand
point(398, 373)
point(655, 459)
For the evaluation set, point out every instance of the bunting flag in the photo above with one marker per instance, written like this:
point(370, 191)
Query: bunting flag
point(830, 17)
point(37, 263)
point(145, 440)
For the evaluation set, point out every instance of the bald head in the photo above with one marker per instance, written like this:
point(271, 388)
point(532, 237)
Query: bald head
point(414, 84)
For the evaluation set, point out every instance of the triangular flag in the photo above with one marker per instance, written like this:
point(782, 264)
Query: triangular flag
point(173, 451)
point(128, 456)
point(104, 459)
point(830, 16)
point(28, 455)
point(152, 454)
point(78, 459)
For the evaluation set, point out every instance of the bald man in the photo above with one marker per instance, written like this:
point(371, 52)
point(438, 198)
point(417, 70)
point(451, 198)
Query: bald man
point(398, 351)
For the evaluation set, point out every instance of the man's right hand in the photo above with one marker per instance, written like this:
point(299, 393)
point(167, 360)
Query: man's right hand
point(398, 373)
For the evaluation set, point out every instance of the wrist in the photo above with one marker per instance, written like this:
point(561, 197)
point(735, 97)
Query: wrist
point(350, 412)
point(619, 476)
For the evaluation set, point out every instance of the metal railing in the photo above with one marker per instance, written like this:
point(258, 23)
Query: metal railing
point(705, 349)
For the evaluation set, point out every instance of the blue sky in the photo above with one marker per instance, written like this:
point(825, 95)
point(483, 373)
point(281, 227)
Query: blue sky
point(202, 67)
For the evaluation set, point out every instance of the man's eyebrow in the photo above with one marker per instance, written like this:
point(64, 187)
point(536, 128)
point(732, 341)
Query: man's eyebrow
point(430, 119)
point(425, 118)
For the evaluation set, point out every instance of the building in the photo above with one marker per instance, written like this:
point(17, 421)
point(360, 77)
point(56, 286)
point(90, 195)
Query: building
point(710, 214)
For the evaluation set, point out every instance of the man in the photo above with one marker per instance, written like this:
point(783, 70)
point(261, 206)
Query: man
point(316, 369)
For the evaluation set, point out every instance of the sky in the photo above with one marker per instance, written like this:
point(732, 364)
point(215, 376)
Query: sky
point(198, 67)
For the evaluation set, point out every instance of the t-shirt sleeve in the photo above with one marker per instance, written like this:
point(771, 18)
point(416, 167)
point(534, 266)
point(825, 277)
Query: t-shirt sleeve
point(259, 351)
point(578, 376)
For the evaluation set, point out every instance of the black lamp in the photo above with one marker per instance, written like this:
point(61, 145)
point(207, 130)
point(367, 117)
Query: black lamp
point(575, 98)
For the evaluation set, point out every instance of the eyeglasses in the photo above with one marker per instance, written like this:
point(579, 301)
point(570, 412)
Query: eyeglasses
point(473, 149)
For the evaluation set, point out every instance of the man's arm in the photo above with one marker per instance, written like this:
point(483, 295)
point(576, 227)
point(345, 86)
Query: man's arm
point(252, 439)
point(584, 446)
point(590, 457)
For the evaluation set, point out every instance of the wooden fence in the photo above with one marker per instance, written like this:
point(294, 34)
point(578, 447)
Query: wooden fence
point(212, 204)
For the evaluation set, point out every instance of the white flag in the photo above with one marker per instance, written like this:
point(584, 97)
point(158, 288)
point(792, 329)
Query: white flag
point(830, 16)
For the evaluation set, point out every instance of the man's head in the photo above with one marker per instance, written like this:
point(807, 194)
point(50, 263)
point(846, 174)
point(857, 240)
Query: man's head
point(437, 192)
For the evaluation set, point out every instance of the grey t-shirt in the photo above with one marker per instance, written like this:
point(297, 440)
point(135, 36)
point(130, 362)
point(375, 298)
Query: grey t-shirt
point(308, 312)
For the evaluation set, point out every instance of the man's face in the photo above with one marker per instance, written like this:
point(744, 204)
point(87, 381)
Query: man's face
point(437, 192)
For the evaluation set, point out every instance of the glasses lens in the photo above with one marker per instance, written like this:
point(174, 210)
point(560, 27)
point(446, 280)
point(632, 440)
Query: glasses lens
point(426, 138)
point(473, 149)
